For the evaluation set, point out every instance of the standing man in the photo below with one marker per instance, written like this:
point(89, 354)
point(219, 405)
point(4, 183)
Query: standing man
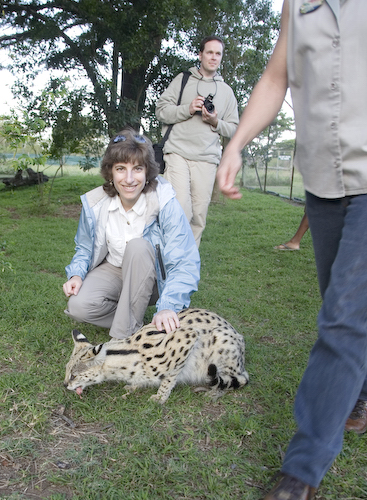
point(193, 150)
point(321, 53)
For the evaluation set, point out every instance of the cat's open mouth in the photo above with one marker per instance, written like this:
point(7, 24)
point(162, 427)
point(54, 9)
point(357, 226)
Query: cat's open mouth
point(79, 391)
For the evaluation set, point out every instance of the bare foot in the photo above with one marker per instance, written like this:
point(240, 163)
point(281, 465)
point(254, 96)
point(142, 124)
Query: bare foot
point(287, 246)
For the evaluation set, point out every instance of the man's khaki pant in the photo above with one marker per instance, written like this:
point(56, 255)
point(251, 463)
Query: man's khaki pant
point(193, 182)
point(117, 297)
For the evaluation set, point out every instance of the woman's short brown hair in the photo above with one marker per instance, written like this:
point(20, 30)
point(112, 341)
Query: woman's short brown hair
point(129, 147)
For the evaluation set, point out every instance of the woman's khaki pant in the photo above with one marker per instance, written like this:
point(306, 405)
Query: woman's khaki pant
point(117, 298)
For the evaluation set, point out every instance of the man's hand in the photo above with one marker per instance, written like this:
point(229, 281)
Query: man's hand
point(72, 286)
point(166, 320)
point(196, 104)
point(210, 118)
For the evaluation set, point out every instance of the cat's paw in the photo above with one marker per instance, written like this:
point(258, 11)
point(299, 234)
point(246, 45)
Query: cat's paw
point(130, 388)
point(157, 399)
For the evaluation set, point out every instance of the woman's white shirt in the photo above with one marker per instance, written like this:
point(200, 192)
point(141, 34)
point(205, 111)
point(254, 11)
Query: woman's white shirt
point(123, 226)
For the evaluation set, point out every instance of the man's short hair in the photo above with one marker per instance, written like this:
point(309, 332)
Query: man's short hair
point(210, 39)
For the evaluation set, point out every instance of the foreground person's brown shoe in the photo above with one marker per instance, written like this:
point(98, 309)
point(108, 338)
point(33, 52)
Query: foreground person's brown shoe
point(357, 420)
point(290, 488)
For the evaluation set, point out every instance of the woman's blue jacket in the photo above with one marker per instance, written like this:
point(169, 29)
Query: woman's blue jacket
point(167, 229)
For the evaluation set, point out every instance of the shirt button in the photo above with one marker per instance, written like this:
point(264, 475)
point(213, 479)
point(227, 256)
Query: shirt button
point(333, 125)
point(335, 42)
point(333, 86)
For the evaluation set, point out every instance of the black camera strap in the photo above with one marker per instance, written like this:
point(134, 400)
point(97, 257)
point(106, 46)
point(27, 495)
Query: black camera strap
point(185, 77)
point(201, 79)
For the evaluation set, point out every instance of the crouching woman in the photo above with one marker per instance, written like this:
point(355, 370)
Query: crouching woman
point(134, 245)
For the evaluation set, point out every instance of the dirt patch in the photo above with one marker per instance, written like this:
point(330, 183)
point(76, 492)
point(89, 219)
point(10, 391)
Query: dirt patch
point(65, 211)
point(69, 211)
point(13, 212)
point(27, 475)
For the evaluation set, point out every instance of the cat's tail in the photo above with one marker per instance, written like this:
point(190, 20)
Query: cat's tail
point(223, 381)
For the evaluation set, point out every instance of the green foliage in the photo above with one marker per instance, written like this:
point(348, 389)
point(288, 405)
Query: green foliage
point(125, 49)
point(262, 145)
point(62, 110)
point(21, 133)
point(286, 145)
point(57, 446)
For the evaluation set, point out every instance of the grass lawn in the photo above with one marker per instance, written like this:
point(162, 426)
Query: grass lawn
point(57, 446)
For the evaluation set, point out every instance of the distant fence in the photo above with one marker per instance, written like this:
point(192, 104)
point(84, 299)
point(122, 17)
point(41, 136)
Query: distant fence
point(276, 174)
point(67, 159)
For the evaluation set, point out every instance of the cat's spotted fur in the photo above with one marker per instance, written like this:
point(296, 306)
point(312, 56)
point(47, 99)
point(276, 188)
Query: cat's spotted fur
point(205, 350)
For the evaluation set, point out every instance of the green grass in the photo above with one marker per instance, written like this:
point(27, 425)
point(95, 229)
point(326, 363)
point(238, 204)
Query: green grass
point(57, 446)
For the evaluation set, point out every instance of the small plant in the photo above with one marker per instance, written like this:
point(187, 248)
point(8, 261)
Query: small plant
point(4, 265)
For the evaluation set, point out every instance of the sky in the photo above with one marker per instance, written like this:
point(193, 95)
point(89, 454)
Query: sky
point(277, 5)
point(6, 79)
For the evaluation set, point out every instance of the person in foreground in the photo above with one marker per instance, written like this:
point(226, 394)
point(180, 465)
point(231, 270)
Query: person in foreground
point(321, 53)
point(193, 149)
point(134, 245)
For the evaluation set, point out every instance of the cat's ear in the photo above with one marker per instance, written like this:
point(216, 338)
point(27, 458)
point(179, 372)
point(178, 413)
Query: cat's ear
point(80, 340)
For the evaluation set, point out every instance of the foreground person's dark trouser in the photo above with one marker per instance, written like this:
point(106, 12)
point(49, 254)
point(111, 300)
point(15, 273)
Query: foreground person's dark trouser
point(335, 376)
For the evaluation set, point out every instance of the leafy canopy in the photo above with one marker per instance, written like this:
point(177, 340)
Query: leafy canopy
point(130, 50)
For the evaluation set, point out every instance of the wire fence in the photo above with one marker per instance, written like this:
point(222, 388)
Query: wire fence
point(274, 174)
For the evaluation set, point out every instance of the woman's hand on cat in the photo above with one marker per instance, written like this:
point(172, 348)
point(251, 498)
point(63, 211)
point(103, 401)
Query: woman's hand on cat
point(166, 320)
point(72, 286)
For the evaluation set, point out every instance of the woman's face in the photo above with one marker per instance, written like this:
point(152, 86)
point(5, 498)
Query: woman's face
point(129, 181)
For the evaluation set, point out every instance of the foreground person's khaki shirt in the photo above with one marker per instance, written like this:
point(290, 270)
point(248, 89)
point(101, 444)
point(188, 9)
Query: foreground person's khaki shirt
point(327, 71)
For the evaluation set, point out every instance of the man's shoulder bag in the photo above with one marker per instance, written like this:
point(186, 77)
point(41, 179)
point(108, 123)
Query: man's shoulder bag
point(158, 148)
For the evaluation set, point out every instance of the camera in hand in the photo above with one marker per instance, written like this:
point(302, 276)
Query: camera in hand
point(208, 103)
